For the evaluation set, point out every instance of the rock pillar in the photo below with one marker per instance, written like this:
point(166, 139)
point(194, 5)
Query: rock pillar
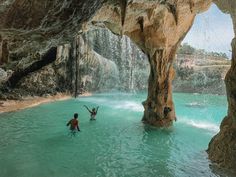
point(159, 107)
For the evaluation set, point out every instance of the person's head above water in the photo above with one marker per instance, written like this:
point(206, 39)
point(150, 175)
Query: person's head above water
point(93, 109)
point(75, 115)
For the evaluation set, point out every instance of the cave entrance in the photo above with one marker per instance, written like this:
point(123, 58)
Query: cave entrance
point(202, 61)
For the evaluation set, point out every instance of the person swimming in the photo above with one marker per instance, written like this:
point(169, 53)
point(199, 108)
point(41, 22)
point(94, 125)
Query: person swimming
point(74, 124)
point(93, 112)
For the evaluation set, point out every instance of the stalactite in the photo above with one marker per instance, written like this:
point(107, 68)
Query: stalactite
point(172, 9)
point(123, 7)
point(191, 5)
point(141, 23)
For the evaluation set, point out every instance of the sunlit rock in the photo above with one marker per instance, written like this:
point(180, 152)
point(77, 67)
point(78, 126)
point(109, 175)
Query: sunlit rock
point(157, 28)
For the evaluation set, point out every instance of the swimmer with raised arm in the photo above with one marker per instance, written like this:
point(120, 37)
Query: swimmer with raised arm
point(93, 112)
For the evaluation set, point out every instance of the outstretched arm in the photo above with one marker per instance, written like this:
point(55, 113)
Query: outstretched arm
point(77, 125)
point(68, 123)
point(78, 128)
point(97, 109)
point(87, 109)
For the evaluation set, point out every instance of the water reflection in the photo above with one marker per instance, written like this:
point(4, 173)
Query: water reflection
point(156, 148)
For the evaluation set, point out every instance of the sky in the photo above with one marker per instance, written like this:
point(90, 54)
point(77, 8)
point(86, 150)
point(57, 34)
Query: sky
point(212, 31)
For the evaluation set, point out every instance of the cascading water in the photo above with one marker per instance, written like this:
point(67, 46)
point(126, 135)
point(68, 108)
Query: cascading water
point(107, 72)
point(132, 65)
point(192, 73)
point(97, 73)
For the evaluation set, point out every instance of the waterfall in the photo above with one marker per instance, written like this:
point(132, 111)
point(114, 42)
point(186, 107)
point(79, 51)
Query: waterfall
point(131, 64)
point(97, 72)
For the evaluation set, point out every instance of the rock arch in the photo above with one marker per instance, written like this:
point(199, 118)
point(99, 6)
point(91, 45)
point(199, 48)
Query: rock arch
point(158, 29)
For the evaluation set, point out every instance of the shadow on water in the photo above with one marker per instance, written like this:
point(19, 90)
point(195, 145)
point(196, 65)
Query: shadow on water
point(135, 150)
point(157, 146)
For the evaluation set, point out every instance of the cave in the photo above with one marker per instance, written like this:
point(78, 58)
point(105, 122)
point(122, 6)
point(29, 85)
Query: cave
point(156, 27)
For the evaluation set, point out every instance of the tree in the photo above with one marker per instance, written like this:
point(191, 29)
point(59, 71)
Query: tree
point(186, 49)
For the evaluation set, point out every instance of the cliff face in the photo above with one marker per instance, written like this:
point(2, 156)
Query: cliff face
point(31, 30)
point(200, 73)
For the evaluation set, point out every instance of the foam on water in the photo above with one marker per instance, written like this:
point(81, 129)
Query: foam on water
point(115, 103)
point(195, 104)
point(130, 105)
point(207, 126)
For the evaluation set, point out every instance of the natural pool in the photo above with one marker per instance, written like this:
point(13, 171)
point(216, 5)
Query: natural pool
point(35, 142)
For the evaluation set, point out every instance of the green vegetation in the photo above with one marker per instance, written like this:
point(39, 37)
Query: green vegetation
point(185, 48)
point(200, 71)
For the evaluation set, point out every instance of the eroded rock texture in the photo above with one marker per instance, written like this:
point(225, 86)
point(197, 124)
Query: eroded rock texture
point(157, 27)
point(222, 148)
point(31, 29)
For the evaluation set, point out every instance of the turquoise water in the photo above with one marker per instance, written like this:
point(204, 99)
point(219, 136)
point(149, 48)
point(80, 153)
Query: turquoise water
point(35, 142)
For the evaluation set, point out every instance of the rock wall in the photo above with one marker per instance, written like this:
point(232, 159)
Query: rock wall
point(30, 29)
point(46, 75)
point(222, 148)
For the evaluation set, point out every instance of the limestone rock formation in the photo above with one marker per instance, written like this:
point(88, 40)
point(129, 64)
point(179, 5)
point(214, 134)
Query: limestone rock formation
point(157, 28)
point(51, 78)
point(28, 30)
